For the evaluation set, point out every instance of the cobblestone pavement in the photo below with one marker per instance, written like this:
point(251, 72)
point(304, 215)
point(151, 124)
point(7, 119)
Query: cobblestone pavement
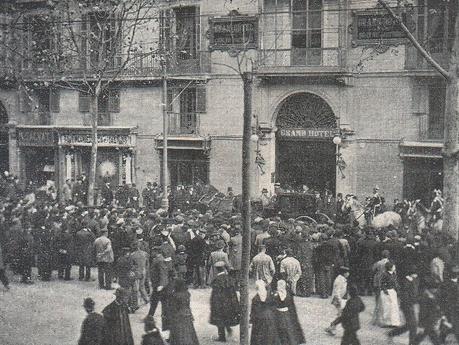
point(50, 313)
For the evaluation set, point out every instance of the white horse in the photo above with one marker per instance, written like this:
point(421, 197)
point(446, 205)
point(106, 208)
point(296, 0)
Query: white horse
point(383, 220)
point(420, 216)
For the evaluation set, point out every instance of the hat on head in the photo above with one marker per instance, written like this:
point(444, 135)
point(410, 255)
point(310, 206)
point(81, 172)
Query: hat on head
point(220, 244)
point(139, 231)
point(264, 190)
point(343, 269)
point(181, 248)
point(121, 292)
point(89, 303)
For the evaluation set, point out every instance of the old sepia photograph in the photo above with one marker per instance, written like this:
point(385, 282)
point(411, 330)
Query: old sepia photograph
point(241, 172)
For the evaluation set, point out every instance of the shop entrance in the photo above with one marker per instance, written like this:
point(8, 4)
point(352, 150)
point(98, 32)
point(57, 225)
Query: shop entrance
point(187, 167)
point(421, 177)
point(305, 153)
point(39, 165)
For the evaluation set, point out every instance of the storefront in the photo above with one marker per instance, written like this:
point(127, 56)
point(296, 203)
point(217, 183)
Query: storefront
point(422, 170)
point(55, 154)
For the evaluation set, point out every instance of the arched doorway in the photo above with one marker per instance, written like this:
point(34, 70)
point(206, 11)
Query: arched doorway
point(305, 153)
point(4, 136)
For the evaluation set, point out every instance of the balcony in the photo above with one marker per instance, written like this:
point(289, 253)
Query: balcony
point(183, 124)
point(415, 61)
point(433, 131)
point(300, 60)
point(139, 66)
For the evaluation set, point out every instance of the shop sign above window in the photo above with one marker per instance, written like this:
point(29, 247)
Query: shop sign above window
point(35, 137)
point(376, 26)
point(233, 32)
point(104, 140)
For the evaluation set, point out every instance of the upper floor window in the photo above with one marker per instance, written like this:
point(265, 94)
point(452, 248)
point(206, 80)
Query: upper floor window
point(39, 104)
point(107, 103)
point(436, 116)
point(38, 42)
point(180, 32)
point(435, 24)
point(100, 40)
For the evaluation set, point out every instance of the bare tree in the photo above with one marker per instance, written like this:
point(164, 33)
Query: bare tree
point(84, 45)
point(451, 130)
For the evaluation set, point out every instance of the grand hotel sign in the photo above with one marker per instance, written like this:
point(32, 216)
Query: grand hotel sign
point(103, 140)
point(307, 133)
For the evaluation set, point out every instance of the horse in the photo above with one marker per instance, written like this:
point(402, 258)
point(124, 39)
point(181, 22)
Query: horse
point(416, 216)
point(423, 217)
point(357, 213)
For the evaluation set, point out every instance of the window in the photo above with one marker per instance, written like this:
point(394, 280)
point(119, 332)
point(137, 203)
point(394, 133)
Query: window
point(306, 32)
point(100, 40)
point(41, 39)
point(180, 31)
point(184, 106)
point(435, 25)
point(107, 103)
point(437, 97)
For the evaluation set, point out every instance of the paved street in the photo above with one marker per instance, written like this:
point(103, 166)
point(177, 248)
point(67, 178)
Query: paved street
point(51, 314)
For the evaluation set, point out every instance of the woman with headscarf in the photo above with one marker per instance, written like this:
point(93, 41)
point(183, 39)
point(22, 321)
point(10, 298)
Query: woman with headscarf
point(262, 318)
point(182, 330)
point(286, 317)
point(389, 315)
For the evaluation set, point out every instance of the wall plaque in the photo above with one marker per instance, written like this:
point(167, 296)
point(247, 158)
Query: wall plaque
point(376, 26)
point(233, 32)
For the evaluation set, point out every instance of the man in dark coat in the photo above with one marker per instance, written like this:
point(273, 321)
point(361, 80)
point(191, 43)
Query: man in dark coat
point(107, 194)
point(63, 246)
point(225, 310)
point(45, 239)
point(116, 315)
point(197, 252)
point(26, 255)
point(449, 300)
point(84, 252)
point(93, 327)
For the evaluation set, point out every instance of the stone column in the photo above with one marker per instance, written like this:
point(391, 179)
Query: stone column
point(60, 171)
point(13, 151)
point(128, 169)
point(68, 166)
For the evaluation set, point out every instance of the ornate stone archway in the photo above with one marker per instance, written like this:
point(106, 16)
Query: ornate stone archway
point(305, 153)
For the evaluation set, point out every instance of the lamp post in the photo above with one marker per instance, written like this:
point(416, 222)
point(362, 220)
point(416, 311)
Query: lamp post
point(340, 163)
point(165, 198)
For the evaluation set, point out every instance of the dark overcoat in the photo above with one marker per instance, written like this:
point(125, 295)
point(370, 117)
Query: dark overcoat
point(224, 304)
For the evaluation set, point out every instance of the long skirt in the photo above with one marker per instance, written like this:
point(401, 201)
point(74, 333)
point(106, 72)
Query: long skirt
point(264, 332)
point(183, 331)
point(389, 311)
point(286, 328)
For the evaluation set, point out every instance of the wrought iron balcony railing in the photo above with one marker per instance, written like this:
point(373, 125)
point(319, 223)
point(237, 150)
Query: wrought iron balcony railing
point(184, 123)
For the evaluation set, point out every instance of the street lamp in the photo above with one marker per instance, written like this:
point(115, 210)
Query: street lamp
point(340, 163)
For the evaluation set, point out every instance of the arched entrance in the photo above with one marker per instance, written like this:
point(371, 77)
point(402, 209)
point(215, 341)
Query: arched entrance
point(305, 153)
point(4, 136)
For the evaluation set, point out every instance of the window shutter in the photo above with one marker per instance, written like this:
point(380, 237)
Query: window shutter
point(114, 101)
point(25, 104)
point(170, 97)
point(420, 99)
point(84, 102)
point(201, 99)
point(54, 100)
point(84, 41)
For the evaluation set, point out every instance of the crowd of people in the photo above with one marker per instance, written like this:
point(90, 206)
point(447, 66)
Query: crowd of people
point(155, 256)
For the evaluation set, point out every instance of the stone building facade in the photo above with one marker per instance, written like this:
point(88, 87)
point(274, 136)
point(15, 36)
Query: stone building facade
point(325, 72)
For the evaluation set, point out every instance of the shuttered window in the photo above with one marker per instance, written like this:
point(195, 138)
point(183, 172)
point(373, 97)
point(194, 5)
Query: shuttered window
point(84, 102)
point(201, 99)
point(54, 100)
point(25, 103)
point(114, 101)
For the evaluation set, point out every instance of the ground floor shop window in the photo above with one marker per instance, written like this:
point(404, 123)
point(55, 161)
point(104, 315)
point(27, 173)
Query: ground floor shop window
point(421, 177)
point(187, 168)
point(39, 165)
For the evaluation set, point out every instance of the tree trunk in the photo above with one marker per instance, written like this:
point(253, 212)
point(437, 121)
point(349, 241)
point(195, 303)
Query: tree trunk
point(246, 162)
point(93, 161)
point(450, 162)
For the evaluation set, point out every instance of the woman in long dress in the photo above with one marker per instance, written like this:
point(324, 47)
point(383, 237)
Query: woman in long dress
point(389, 313)
point(288, 326)
point(264, 331)
point(182, 331)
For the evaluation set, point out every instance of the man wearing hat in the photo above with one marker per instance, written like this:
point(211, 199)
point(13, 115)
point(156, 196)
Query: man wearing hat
point(152, 335)
point(262, 266)
point(197, 249)
point(141, 270)
point(217, 256)
point(125, 268)
point(116, 315)
point(93, 327)
point(104, 258)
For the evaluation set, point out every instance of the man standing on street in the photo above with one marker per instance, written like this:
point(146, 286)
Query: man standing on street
point(93, 327)
point(140, 259)
point(104, 258)
point(291, 267)
point(262, 266)
point(338, 294)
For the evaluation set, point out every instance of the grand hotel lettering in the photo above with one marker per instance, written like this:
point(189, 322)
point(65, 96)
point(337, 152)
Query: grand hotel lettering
point(86, 140)
point(307, 133)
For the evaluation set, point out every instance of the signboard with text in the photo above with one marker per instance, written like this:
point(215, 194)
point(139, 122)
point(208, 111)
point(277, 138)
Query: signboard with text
point(232, 32)
point(307, 133)
point(103, 140)
point(35, 137)
point(376, 27)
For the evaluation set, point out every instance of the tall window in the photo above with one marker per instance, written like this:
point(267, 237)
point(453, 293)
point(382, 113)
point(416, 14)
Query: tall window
point(437, 95)
point(100, 40)
point(180, 32)
point(435, 25)
point(306, 32)
point(38, 40)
